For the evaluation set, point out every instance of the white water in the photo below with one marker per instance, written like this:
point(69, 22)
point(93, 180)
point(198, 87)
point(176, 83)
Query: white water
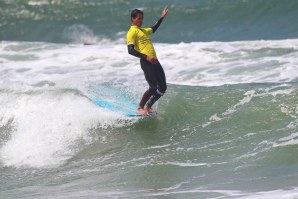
point(49, 127)
point(204, 64)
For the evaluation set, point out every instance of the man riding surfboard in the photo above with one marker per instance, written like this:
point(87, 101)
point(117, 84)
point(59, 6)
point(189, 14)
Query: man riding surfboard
point(140, 45)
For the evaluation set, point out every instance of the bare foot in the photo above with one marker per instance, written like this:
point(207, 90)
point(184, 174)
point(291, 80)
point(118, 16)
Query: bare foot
point(150, 110)
point(142, 111)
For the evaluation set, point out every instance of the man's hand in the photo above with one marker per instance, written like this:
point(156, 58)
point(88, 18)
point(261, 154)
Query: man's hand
point(165, 12)
point(151, 59)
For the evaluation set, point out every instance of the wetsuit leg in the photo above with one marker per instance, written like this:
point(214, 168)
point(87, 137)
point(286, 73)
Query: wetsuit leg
point(146, 97)
point(161, 86)
point(149, 76)
point(156, 79)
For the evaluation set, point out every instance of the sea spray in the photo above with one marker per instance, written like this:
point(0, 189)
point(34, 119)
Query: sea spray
point(49, 126)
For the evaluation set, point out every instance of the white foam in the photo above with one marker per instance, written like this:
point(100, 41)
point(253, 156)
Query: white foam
point(49, 127)
point(288, 140)
point(275, 194)
point(198, 63)
point(218, 63)
point(80, 33)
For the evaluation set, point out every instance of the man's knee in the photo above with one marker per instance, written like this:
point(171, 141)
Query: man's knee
point(162, 88)
point(152, 89)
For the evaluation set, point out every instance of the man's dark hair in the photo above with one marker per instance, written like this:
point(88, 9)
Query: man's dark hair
point(135, 12)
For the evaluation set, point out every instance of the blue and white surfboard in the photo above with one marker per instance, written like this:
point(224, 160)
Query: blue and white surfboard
point(113, 99)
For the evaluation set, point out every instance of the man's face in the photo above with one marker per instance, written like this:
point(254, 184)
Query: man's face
point(138, 21)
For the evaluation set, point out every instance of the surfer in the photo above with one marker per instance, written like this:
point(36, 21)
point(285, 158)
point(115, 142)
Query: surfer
point(140, 45)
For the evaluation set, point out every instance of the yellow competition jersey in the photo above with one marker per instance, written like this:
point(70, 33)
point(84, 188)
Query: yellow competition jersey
point(140, 38)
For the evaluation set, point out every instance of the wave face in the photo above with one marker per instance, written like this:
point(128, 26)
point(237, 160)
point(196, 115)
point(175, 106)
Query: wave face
point(241, 139)
point(190, 20)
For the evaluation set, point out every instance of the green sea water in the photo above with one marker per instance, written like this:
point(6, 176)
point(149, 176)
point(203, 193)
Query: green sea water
point(188, 21)
point(221, 142)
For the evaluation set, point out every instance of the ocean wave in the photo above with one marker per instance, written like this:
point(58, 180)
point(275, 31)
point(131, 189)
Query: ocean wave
point(46, 128)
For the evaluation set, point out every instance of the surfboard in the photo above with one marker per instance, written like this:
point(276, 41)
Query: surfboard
point(113, 99)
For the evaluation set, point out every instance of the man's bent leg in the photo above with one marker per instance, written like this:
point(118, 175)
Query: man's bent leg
point(146, 97)
point(154, 98)
point(151, 78)
point(162, 87)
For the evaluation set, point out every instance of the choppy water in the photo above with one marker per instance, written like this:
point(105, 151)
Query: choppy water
point(188, 21)
point(227, 126)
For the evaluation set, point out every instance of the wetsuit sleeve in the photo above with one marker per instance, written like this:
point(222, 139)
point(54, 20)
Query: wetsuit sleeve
point(157, 24)
point(134, 52)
